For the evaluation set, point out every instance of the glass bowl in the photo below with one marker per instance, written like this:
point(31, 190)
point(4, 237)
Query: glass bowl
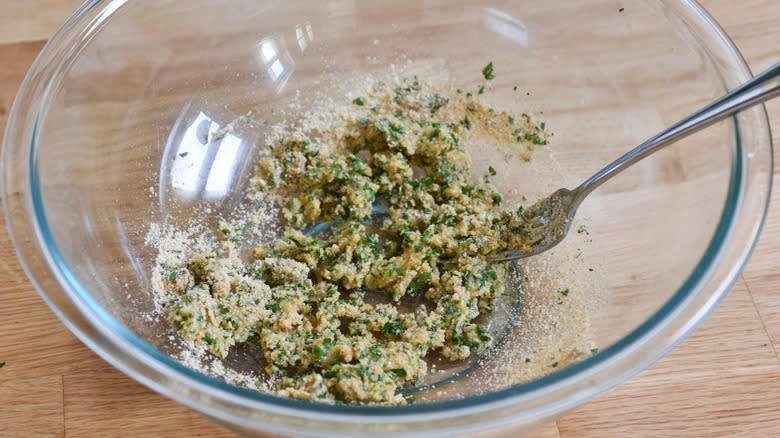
point(90, 153)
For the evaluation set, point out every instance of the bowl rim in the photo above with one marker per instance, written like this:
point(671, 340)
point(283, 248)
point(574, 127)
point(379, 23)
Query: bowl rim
point(129, 343)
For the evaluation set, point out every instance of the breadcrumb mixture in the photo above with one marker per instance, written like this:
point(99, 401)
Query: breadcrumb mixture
point(380, 200)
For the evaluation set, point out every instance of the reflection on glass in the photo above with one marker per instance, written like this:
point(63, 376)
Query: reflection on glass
point(506, 25)
point(275, 59)
point(205, 160)
point(223, 169)
point(189, 156)
point(268, 51)
point(275, 70)
point(304, 35)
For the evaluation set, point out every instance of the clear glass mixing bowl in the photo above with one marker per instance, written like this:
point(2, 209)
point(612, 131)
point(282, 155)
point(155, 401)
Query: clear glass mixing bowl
point(92, 140)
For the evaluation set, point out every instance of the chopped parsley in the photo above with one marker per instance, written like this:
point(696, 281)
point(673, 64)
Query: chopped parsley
point(309, 300)
point(466, 122)
point(487, 72)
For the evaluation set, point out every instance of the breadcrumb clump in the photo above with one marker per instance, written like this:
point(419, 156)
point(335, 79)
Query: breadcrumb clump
point(309, 299)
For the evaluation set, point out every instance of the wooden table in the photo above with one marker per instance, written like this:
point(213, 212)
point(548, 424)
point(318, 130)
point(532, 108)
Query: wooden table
point(61, 388)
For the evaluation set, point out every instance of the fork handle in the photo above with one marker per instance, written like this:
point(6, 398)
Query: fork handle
point(761, 88)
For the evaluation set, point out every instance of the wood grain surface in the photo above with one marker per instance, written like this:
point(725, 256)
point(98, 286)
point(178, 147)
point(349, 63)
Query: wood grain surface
point(723, 381)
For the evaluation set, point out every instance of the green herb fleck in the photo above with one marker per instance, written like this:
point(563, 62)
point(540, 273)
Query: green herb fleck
point(399, 372)
point(358, 101)
point(481, 89)
point(437, 101)
point(183, 154)
point(487, 72)
point(357, 164)
point(564, 292)
point(621, 9)
point(393, 328)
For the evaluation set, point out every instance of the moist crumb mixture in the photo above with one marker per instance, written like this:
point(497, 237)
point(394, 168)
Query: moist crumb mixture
point(380, 208)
